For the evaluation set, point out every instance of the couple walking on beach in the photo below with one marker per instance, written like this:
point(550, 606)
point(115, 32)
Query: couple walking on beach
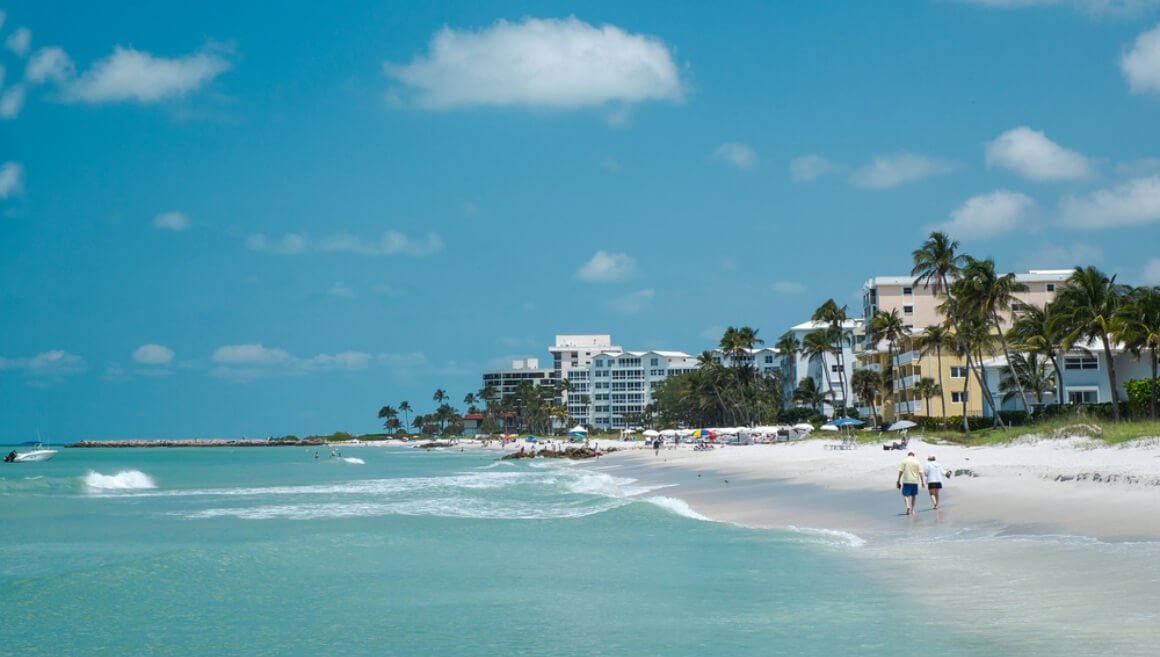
point(912, 474)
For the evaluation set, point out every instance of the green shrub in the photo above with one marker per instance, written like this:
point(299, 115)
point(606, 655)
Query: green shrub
point(1139, 396)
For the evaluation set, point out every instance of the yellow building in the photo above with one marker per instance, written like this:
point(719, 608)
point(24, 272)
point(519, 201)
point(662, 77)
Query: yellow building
point(918, 307)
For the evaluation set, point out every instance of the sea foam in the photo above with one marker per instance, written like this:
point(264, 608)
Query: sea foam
point(124, 480)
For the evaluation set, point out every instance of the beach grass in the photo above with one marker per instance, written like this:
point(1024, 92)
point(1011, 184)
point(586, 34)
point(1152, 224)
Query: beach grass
point(1110, 433)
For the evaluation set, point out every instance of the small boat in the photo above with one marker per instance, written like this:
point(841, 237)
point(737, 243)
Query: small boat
point(39, 453)
point(30, 456)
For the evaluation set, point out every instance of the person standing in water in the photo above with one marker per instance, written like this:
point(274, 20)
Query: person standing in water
point(909, 479)
point(934, 476)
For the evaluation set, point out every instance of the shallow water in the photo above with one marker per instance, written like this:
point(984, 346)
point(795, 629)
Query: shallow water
point(267, 551)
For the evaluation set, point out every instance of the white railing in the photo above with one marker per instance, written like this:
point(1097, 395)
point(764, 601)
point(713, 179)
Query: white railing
point(904, 408)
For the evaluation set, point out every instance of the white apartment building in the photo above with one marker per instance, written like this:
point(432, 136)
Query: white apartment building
point(528, 369)
point(825, 370)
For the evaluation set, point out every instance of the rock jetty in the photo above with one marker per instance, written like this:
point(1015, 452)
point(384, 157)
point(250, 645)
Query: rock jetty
point(566, 453)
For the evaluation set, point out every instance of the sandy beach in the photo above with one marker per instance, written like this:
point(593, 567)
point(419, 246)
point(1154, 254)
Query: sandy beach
point(1070, 486)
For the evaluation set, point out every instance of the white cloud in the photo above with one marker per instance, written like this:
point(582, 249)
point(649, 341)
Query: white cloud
point(739, 155)
point(252, 361)
point(1144, 166)
point(19, 41)
point(11, 179)
point(390, 243)
point(606, 267)
point(1051, 256)
point(130, 74)
point(49, 364)
point(988, 215)
point(540, 63)
point(1141, 63)
point(12, 101)
point(175, 221)
point(153, 354)
point(1133, 203)
point(1151, 272)
point(787, 287)
point(809, 168)
point(632, 303)
point(1096, 7)
point(1035, 157)
point(50, 63)
point(341, 291)
point(885, 172)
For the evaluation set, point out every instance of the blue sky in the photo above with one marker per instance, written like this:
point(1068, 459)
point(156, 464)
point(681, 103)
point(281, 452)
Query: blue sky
point(222, 220)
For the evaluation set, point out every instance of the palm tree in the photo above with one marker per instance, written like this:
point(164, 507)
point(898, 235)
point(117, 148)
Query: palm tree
point(439, 396)
point(935, 338)
point(1139, 330)
point(1035, 331)
point(981, 290)
point(1087, 311)
point(1033, 373)
point(927, 388)
point(788, 347)
point(889, 326)
point(834, 315)
point(867, 385)
point(976, 337)
point(469, 401)
point(936, 262)
point(405, 408)
point(389, 413)
point(809, 394)
point(815, 347)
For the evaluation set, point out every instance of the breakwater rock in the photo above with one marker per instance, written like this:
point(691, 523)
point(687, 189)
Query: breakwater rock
point(566, 453)
point(209, 442)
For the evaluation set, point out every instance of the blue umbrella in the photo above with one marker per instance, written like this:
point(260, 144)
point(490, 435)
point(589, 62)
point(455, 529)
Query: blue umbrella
point(531, 439)
point(846, 422)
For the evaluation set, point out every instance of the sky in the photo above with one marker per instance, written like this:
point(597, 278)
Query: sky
point(218, 219)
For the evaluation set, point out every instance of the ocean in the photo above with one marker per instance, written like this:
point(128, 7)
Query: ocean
point(400, 551)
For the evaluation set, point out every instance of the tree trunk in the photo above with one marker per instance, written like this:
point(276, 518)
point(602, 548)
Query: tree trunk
point(1112, 377)
point(1010, 365)
point(942, 389)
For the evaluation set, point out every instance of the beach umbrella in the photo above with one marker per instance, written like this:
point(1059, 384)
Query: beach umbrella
point(902, 424)
point(531, 439)
point(651, 433)
point(828, 427)
point(703, 433)
point(847, 422)
point(579, 428)
point(803, 426)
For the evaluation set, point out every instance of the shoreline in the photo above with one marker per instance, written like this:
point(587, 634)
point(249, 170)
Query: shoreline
point(1068, 486)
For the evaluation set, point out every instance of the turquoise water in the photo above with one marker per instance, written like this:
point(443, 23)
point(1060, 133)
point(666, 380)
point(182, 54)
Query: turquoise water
point(395, 551)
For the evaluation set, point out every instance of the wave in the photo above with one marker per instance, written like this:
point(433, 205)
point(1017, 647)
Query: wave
point(124, 480)
point(832, 537)
point(677, 506)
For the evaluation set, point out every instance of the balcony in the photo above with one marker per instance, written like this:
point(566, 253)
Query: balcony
point(907, 357)
point(906, 408)
point(907, 382)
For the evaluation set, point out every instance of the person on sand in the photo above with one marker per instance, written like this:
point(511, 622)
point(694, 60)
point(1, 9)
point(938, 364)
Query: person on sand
point(934, 476)
point(909, 479)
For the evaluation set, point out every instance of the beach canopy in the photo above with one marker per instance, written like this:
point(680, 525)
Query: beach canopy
point(847, 422)
point(579, 428)
point(902, 424)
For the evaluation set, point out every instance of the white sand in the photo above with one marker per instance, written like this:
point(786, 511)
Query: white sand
point(1072, 485)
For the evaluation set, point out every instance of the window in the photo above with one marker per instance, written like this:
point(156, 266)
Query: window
point(1016, 307)
point(834, 369)
point(908, 310)
point(768, 359)
point(654, 362)
point(959, 397)
point(1083, 396)
point(1051, 287)
point(908, 290)
point(1085, 362)
point(958, 372)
